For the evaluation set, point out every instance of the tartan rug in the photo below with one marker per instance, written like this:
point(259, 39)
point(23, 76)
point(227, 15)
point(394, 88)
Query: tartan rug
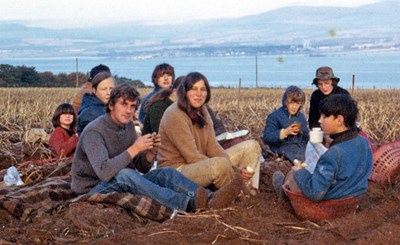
point(54, 194)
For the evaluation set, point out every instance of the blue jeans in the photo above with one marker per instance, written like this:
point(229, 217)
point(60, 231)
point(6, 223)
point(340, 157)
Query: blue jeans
point(166, 185)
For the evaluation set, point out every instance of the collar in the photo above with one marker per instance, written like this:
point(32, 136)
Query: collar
point(115, 127)
point(70, 132)
point(344, 136)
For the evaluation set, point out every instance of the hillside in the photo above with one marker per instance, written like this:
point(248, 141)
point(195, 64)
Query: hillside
point(290, 29)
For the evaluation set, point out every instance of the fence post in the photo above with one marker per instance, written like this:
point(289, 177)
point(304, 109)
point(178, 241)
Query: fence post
point(77, 75)
point(240, 85)
point(256, 71)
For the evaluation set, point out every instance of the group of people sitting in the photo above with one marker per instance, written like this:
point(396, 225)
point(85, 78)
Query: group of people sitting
point(178, 131)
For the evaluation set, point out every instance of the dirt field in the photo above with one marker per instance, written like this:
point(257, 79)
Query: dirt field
point(262, 219)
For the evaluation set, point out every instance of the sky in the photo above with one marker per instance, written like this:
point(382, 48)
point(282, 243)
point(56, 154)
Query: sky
point(86, 13)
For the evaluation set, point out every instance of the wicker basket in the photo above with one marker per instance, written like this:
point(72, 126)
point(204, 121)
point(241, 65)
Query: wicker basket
point(323, 210)
point(386, 163)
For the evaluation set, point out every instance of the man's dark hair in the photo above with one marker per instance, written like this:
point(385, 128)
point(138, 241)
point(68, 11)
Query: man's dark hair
point(97, 69)
point(164, 93)
point(125, 91)
point(340, 104)
point(160, 70)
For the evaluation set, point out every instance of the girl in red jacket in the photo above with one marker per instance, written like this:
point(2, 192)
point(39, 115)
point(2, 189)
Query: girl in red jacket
point(64, 138)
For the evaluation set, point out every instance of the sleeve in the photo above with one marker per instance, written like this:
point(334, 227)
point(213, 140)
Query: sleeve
point(140, 163)
point(214, 149)
point(219, 127)
point(343, 91)
point(60, 146)
point(76, 102)
point(313, 116)
point(95, 148)
point(85, 118)
point(304, 129)
point(315, 186)
point(155, 113)
point(272, 130)
point(141, 113)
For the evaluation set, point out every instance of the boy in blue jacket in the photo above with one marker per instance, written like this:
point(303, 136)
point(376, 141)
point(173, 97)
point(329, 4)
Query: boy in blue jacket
point(343, 170)
point(286, 130)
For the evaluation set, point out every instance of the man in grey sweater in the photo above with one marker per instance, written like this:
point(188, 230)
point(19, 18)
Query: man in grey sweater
point(111, 157)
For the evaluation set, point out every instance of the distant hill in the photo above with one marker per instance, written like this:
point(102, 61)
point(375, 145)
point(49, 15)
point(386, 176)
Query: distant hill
point(290, 29)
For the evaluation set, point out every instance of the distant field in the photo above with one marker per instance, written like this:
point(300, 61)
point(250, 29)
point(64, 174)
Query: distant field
point(25, 108)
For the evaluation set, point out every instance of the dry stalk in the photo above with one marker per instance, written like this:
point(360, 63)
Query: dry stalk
point(216, 239)
point(161, 232)
point(253, 240)
point(297, 228)
point(298, 233)
point(26, 108)
point(237, 228)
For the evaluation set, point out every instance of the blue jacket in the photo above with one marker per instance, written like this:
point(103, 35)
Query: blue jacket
point(91, 108)
point(294, 146)
point(342, 171)
point(142, 112)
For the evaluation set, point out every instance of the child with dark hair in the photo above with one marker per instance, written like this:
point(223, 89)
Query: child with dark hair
point(343, 170)
point(157, 105)
point(286, 130)
point(64, 139)
point(162, 77)
point(87, 86)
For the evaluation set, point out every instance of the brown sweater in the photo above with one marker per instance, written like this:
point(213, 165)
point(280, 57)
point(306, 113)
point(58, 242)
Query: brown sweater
point(76, 102)
point(185, 143)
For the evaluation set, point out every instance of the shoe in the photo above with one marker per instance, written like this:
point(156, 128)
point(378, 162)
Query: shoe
point(277, 181)
point(201, 201)
point(227, 194)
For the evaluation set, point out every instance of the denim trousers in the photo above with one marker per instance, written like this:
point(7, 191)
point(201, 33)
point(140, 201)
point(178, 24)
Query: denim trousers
point(166, 185)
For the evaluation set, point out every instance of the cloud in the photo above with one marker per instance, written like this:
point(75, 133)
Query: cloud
point(75, 13)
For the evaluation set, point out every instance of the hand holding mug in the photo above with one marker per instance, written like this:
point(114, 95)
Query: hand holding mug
point(293, 129)
point(156, 140)
point(296, 126)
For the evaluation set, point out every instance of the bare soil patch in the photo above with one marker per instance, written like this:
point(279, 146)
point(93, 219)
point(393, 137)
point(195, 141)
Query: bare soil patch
point(262, 219)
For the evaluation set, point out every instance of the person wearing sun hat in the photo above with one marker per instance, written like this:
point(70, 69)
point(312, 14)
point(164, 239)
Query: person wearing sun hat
point(327, 84)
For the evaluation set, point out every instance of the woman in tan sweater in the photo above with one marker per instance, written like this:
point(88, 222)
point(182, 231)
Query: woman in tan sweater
point(188, 141)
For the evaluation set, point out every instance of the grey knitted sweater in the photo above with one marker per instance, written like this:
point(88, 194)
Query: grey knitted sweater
point(101, 154)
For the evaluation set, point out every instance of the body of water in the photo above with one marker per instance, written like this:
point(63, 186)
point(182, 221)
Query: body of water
point(371, 70)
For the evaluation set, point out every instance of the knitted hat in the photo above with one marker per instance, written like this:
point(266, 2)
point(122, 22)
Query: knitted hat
point(97, 69)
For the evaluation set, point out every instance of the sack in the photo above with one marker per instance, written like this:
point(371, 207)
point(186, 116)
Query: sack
point(35, 135)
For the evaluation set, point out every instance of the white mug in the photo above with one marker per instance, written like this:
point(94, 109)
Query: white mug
point(316, 135)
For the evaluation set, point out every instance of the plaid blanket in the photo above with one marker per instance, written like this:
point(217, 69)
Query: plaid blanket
point(54, 194)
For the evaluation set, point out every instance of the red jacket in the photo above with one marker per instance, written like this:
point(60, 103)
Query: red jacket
point(63, 144)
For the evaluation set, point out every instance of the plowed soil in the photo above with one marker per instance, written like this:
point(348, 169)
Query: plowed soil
point(260, 219)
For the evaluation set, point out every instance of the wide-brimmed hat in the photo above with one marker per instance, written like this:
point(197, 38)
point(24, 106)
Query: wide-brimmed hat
point(324, 73)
